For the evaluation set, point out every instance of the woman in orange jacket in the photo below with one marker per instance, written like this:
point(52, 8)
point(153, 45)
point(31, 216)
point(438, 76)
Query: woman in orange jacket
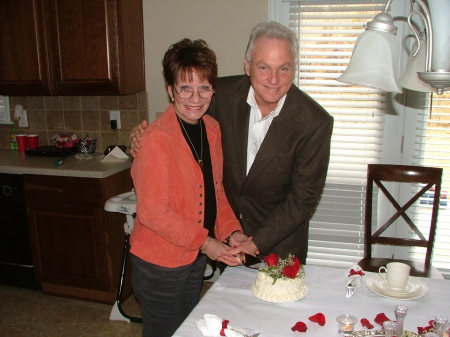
point(183, 215)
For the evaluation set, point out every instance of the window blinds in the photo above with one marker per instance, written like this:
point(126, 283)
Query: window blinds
point(327, 32)
point(432, 148)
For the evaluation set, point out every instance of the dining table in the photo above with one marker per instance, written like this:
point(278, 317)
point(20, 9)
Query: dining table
point(230, 298)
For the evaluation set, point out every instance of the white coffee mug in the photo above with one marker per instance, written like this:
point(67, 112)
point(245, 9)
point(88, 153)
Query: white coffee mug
point(396, 274)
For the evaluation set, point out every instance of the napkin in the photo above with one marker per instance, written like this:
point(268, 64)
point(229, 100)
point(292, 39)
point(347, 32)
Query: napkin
point(214, 326)
point(115, 155)
point(355, 270)
point(354, 275)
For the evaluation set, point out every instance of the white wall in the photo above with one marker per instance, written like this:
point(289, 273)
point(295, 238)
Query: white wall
point(224, 24)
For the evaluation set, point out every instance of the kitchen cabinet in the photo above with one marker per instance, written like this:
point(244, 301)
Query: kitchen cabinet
point(77, 246)
point(71, 47)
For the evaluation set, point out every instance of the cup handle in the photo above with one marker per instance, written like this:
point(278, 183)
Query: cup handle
point(381, 274)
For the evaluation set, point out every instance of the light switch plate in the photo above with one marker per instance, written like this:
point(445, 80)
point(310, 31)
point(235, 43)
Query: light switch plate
point(23, 120)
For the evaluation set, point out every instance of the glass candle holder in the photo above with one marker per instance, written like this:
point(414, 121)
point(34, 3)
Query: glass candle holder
point(390, 328)
point(346, 324)
point(400, 314)
point(440, 325)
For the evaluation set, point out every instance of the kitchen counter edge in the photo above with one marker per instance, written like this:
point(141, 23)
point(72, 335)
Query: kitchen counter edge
point(15, 162)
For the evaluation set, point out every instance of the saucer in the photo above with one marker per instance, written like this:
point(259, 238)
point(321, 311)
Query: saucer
point(411, 287)
point(421, 291)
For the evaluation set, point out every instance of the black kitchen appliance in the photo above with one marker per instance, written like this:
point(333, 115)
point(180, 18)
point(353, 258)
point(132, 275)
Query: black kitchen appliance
point(16, 264)
point(51, 151)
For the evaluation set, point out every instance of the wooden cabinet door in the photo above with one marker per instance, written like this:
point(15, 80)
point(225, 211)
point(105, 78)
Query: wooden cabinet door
point(77, 246)
point(24, 61)
point(71, 47)
point(67, 231)
point(69, 245)
point(92, 41)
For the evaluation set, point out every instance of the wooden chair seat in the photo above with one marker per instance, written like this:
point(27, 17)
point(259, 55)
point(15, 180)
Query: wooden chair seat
point(418, 269)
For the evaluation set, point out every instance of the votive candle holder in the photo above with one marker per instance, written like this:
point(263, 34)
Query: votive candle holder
point(346, 324)
point(440, 325)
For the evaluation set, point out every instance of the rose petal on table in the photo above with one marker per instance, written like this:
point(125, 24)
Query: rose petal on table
point(356, 272)
point(318, 318)
point(422, 329)
point(300, 327)
point(366, 323)
point(381, 318)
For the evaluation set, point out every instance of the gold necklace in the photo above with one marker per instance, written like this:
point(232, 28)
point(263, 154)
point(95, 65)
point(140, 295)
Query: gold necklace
point(199, 159)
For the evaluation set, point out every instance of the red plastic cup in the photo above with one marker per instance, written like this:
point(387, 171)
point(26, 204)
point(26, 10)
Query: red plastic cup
point(32, 141)
point(21, 142)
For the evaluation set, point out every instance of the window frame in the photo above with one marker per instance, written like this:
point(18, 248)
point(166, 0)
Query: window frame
point(5, 114)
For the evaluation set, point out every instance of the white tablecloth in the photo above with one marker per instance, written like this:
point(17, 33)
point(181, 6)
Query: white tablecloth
point(231, 299)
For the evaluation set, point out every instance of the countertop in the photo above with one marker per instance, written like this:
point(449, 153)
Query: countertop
point(15, 162)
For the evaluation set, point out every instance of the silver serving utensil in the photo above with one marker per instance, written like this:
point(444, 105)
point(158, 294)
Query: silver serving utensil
point(245, 332)
point(380, 333)
point(373, 333)
point(251, 262)
point(350, 290)
point(353, 284)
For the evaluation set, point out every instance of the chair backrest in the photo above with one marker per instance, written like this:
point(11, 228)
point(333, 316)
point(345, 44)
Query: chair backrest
point(378, 174)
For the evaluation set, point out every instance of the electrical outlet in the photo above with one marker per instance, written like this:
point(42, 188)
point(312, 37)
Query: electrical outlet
point(115, 115)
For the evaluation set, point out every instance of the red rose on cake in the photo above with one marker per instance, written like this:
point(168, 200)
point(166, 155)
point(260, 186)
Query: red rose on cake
point(292, 269)
point(272, 260)
point(280, 268)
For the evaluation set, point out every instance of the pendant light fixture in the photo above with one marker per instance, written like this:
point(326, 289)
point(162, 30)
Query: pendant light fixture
point(376, 53)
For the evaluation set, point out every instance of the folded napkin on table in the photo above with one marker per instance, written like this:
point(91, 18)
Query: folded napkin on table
point(356, 270)
point(214, 326)
point(354, 276)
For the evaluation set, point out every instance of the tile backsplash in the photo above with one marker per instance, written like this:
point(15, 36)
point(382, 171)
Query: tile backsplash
point(82, 115)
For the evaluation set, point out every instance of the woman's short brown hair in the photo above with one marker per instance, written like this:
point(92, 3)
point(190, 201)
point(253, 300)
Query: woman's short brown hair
point(186, 57)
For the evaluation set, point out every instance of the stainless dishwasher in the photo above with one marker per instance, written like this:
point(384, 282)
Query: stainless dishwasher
point(16, 263)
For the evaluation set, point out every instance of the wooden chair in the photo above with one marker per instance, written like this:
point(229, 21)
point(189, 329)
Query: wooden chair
point(379, 174)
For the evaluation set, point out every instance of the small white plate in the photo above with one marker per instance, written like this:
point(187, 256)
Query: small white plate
point(410, 288)
point(422, 291)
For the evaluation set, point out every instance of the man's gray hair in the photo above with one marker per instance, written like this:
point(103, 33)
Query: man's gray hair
point(272, 30)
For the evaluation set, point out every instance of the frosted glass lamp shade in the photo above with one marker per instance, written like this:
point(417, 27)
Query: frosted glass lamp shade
point(374, 62)
point(440, 21)
point(410, 79)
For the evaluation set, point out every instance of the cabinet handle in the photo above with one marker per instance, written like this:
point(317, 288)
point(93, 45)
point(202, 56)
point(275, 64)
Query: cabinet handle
point(7, 191)
point(60, 190)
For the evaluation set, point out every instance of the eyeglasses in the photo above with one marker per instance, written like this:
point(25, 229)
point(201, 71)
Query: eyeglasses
point(187, 92)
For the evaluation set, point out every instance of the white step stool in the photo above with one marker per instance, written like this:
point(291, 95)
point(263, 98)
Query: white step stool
point(124, 203)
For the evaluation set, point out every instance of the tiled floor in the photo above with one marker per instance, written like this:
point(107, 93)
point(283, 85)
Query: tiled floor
point(30, 313)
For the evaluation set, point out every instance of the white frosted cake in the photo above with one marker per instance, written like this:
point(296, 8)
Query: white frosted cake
point(280, 280)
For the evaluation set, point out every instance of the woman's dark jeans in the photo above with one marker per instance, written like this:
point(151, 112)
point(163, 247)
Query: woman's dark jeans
point(166, 295)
